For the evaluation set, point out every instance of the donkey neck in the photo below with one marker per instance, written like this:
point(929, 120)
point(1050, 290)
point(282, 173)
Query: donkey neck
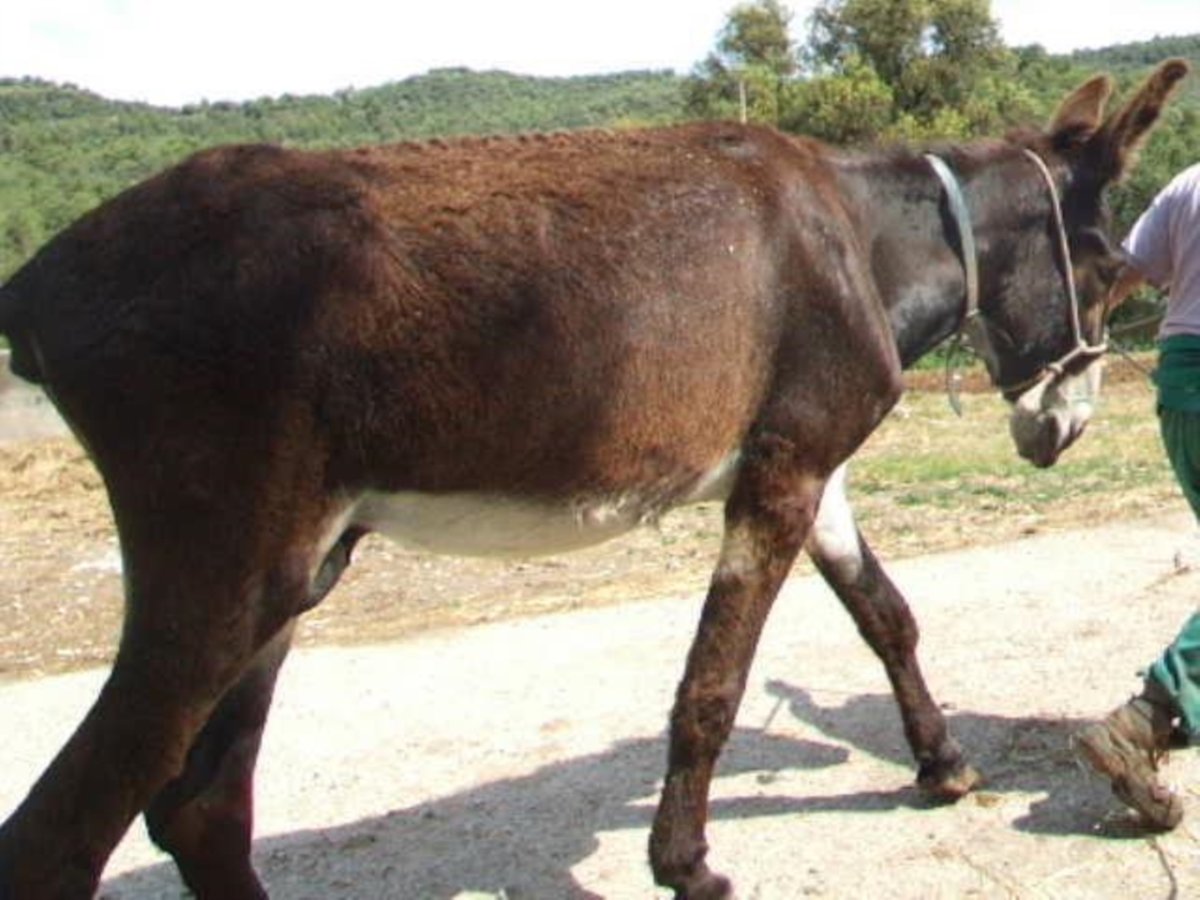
point(915, 246)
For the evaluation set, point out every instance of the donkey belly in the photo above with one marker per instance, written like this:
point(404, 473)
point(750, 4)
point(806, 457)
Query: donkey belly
point(480, 524)
point(468, 524)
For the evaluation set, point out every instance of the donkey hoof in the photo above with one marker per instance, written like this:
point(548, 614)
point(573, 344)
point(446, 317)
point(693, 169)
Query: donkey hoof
point(709, 886)
point(948, 783)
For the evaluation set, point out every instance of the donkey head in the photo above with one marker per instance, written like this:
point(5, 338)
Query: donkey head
point(1044, 325)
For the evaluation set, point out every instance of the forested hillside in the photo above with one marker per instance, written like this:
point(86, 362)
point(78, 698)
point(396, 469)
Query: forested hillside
point(1128, 60)
point(63, 149)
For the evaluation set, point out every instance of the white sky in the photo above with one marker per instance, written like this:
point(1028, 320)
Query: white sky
point(172, 52)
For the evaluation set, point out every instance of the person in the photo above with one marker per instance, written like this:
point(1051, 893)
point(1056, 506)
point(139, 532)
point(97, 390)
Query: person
point(1163, 248)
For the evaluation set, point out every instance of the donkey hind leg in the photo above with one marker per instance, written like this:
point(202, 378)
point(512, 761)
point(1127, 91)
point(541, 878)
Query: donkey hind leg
point(886, 623)
point(204, 818)
point(764, 531)
point(197, 615)
point(162, 687)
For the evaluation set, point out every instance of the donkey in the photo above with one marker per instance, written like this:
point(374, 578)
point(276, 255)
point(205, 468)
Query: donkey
point(517, 346)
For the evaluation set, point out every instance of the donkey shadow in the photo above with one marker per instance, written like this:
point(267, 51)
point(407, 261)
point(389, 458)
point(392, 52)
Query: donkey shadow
point(520, 837)
point(1026, 755)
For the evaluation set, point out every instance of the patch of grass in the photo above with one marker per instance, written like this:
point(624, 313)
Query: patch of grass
point(928, 480)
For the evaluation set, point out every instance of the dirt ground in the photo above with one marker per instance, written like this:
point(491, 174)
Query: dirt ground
point(410, 756)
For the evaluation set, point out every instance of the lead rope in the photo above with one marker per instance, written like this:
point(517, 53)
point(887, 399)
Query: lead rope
point(1123, 351)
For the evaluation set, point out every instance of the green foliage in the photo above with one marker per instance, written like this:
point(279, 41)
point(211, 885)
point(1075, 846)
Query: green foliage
point(884, 33)
point(748, 73)
point(943, 62)
point(911, 70)
point(922, 70)
point(848, 108)
point(873, 70)
point(1174, 145)
point(1132, 60)
point(756, 34)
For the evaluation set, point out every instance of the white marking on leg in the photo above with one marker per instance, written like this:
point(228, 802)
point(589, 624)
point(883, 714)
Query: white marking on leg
point(739, 552)
point(834, 535)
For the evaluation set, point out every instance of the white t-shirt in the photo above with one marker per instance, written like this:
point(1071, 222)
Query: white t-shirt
point(1164, 244)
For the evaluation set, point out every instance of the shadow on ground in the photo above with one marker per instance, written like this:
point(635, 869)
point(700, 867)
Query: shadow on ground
point(1029, 755)
point(521, 837)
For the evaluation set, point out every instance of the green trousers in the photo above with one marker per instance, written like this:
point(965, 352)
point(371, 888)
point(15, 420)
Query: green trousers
point(1178, 381)
point(1178, 671)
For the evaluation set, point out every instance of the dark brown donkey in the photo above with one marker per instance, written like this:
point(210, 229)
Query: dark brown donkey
point(519, 346)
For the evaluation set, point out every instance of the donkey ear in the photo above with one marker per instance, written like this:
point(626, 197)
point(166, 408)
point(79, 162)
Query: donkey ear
point(1080, 115)
point(1117, 144)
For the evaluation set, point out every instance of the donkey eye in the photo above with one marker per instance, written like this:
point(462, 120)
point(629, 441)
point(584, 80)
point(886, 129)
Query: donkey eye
point(1109, 269)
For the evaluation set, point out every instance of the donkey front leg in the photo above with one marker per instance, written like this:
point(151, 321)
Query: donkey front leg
point(884, 620)
point(766, 520)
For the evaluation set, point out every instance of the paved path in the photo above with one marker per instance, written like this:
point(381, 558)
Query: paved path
point(522, 759)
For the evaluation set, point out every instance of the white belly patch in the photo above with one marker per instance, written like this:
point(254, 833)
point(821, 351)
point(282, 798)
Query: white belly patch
point(467, 524)
point(478, 524)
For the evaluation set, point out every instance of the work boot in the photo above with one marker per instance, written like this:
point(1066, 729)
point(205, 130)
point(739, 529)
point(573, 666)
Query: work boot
point(1126, 748)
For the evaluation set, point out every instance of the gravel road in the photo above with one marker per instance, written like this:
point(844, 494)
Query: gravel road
point(522, 759)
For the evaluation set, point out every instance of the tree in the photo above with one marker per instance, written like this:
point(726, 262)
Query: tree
point(943, 60)
point(886, 34)
point(853, 107)
point(750, 69)
point(871, 69)
point(758, 34)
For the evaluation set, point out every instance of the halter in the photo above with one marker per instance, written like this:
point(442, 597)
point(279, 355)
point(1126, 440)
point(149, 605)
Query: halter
point(962, 219)
point(1082, 349)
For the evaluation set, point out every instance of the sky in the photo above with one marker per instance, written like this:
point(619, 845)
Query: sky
point(171, 53)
